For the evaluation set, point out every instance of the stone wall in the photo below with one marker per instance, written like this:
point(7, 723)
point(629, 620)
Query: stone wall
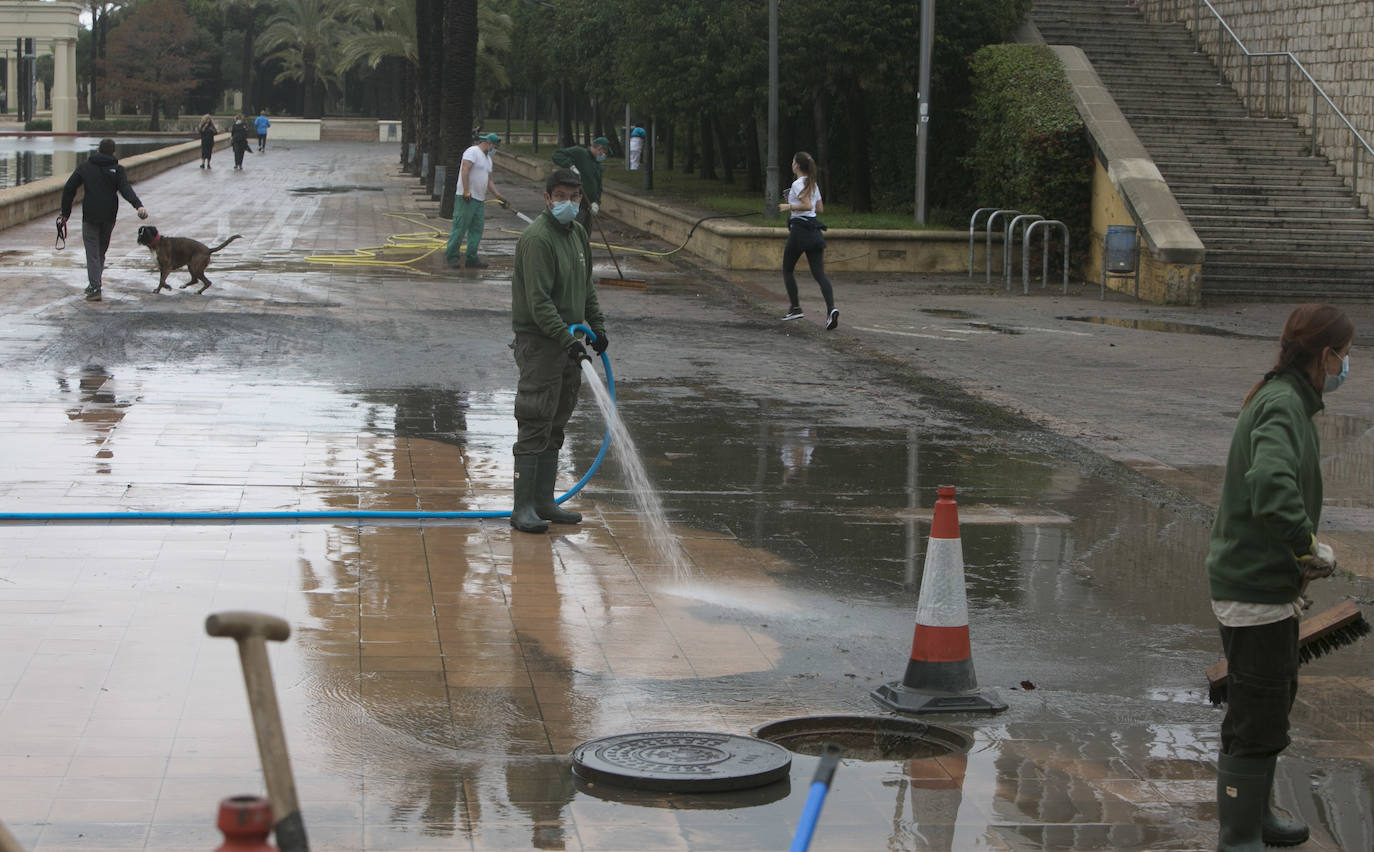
point(1334, 41)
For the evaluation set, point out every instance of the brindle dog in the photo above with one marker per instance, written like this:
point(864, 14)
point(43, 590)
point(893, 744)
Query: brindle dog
point(176, 252)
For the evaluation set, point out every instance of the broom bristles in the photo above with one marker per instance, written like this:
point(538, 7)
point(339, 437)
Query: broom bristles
point(1309, 650)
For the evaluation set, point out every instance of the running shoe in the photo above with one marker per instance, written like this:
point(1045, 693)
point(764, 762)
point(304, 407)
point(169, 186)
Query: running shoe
point(833, 320)
point(793, 312)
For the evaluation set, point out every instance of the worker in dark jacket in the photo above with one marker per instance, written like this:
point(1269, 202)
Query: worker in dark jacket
point(1263, 552)
point(104, 180)
point(586, 163)
point(551, 290)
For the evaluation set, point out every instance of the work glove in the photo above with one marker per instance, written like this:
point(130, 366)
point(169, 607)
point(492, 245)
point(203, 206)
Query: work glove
point(599, 345)
point(577, 351)
point(1318, 563)
point(596, 208)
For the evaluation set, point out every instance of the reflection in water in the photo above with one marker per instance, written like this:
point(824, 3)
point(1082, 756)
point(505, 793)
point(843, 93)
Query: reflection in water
point(1168, 327)
point(99, 408)
point(19, 166)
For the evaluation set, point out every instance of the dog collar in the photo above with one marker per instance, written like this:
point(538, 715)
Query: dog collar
point(155, 240)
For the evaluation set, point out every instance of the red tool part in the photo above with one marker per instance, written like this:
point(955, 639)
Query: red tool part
point(246, 821)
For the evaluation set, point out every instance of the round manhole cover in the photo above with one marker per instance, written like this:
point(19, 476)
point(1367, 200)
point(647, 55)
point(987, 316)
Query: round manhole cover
point(681, 761)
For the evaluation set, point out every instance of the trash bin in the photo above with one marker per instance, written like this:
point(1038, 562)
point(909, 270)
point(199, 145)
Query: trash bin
point(1120, 250)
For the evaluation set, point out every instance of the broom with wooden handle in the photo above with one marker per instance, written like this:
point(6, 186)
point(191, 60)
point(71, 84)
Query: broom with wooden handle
point(1318, 635)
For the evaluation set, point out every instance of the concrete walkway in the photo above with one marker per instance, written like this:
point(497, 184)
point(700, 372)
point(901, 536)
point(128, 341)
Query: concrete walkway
point(439, 673)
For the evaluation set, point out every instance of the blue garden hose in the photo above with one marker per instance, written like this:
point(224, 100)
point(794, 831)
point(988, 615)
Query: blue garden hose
point(341, 515)
point(820, 785)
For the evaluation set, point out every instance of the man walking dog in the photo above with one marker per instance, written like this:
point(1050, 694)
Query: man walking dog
point(105, 180)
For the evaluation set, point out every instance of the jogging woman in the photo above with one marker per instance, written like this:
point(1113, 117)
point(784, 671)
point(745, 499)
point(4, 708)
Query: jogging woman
point(804, 236)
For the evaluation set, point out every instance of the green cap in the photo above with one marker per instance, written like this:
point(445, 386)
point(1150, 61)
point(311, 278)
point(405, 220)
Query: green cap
point(490, 137)
point(602, 141)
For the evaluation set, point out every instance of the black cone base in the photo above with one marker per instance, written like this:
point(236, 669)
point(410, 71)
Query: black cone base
point(903, 699)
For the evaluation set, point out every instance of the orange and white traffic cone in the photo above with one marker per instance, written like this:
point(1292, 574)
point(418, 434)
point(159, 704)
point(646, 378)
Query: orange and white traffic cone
point(939, 677)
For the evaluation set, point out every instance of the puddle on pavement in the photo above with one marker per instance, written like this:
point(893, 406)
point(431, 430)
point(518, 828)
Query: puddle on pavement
point(334, 190)
point(446, 668)
point(1168, 327)
point(948, 313)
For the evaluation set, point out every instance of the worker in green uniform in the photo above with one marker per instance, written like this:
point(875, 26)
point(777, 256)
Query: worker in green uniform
point(551, 290)
point(586, 162)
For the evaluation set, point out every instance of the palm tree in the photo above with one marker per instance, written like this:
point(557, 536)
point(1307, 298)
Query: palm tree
point(386, 31)
point(251, 9)
point(460, 72)
point(301, 36)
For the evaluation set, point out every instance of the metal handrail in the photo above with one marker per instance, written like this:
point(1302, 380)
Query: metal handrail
point(1358, 147)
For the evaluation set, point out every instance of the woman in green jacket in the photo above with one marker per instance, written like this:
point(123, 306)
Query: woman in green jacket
point(1263, 551)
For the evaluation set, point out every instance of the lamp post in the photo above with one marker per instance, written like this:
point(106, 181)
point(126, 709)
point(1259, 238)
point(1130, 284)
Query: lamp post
point(923, 105)
point(770, 192)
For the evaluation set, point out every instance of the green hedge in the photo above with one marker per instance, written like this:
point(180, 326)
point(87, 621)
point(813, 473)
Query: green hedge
point(1031, 151)
point(109, 125)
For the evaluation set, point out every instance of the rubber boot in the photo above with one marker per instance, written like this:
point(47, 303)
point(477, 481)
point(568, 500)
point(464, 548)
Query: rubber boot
point(1274, 829)
point(544, 504)
point(1242, 792)
point(522, 516)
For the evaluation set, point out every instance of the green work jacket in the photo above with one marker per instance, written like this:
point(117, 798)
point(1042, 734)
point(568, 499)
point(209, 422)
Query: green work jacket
point(587, 168)
point(1271, 495)
point(552, 286)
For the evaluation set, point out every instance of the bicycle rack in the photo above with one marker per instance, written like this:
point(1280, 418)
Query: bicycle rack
point(1008, 239)
point(972, 224)
point(1026, 237)
point(987, 251)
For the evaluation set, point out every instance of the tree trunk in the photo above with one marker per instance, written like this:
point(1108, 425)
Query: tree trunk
point(153, 115)
point(822, 145)
point(460, 73)
point(689, 151)
point(407, 114)
point(534, 124)
point(727, 167)
point(861, 187)
point(708, 149)
point(246, 84)
point(753, 157)
point(309, 108)
point(99, 24)
point(565, 129)
point(669, 138)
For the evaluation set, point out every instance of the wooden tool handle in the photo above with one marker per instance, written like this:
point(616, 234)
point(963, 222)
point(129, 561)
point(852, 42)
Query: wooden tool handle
point(241, 624)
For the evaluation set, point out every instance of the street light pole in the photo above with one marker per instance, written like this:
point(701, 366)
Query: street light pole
point(770, 192)
point(923, 105)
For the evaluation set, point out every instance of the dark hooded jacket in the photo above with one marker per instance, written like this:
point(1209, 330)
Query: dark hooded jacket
point(105, 181)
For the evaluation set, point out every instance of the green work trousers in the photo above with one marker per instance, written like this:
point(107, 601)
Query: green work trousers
point(546, 393)
point(469, 216)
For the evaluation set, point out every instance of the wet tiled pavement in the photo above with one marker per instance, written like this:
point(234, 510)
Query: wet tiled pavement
point(439, 673)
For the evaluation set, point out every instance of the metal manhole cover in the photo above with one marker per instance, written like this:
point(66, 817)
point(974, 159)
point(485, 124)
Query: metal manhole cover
point(681, 761)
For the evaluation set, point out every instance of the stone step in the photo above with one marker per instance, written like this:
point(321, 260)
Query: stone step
point(1214, 205)
point(1259, 220)
point(1358, 260)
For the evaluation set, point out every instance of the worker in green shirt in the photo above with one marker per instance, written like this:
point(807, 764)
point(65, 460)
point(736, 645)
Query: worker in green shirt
point(1262, 554)
point(586, 162)
point(551, 289)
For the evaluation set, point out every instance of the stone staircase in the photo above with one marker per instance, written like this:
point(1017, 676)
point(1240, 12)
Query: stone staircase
point(1277, 223)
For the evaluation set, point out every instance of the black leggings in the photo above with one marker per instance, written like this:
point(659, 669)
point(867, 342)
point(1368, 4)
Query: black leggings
point(803, 239)
point(1261, 684)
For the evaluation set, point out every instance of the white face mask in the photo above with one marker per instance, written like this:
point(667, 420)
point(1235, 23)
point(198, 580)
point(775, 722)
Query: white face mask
point(564, 211)
point(1333, 382)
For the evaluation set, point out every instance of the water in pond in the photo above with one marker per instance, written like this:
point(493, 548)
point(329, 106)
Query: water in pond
point(664, 542)
point(25, 159)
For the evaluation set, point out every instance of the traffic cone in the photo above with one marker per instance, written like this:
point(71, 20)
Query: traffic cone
point(939, 677)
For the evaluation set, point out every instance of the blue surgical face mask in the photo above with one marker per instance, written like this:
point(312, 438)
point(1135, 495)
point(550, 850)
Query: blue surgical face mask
point(600, 157)
point(565, 211)
point(1333, 382)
